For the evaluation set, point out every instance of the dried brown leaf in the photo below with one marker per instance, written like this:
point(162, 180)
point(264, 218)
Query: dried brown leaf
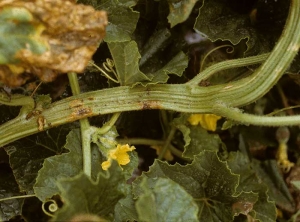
point(72, 32)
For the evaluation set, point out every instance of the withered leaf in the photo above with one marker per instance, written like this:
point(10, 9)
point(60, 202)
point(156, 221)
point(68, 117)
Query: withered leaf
point(61, 36)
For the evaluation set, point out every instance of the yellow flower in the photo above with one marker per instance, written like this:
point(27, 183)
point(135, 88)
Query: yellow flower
point(207, 121)
point(119, 154)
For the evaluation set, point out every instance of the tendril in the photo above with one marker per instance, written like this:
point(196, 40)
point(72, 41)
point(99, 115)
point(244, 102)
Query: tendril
point(229, 50)
point(108, 68)
point(52, 207)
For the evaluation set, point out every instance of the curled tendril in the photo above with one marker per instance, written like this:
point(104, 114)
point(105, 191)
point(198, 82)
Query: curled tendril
point(51, 206)
point(229, 50)
point(108, 66)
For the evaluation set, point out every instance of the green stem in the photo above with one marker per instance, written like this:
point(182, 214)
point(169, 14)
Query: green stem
point(151, 142)
point(165, 125)
point(281, 110)
point(167, 143)
point(108, 125)
point(17, 197)
point(85, 129)
point(244, 118)
point(230, 64)
point(16, 100)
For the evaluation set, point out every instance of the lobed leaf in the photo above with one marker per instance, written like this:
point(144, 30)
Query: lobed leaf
point(176, 66)
point(209, 181)
point(58, 167)
point(196, 138)
point(264, 209)
point(219, 22)
point(165, 201)
point(81, 195)
point(26, 156)
point(126, 58)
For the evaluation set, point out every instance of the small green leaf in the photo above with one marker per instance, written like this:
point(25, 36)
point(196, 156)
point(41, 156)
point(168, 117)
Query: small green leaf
point(196, 138)
point(19, 31)
point(176, 66)
point(165, 201)
point(209, 181)
point(126, 58)
point(82, 195)
point(26, 156)
point(59, 166)
point(9, 188)
point(179, 10)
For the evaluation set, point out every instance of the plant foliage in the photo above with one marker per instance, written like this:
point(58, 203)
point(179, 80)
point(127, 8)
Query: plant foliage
point(145, 75)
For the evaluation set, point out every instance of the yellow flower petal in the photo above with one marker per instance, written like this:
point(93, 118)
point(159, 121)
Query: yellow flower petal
point(119, 154)
point(207, 121)
point(106, 164)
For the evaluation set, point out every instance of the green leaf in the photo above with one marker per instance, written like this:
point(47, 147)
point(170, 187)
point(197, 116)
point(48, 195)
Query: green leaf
point(125, 208)
point(122, 18)
point(81, 195)
point(59, 166)
point(19, 31)
point(201, 140)
point(209, 181)
point(165, 201)
point(126, 58)
point(175, 66)
point(218, 21)
point(26, 156)
point(9, 188)
point(263, 210)
point(179, 10)
point(196, 138)
point(122, 21)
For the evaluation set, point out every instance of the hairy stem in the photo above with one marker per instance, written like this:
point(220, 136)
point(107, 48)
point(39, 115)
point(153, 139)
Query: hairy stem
point(245, 118)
